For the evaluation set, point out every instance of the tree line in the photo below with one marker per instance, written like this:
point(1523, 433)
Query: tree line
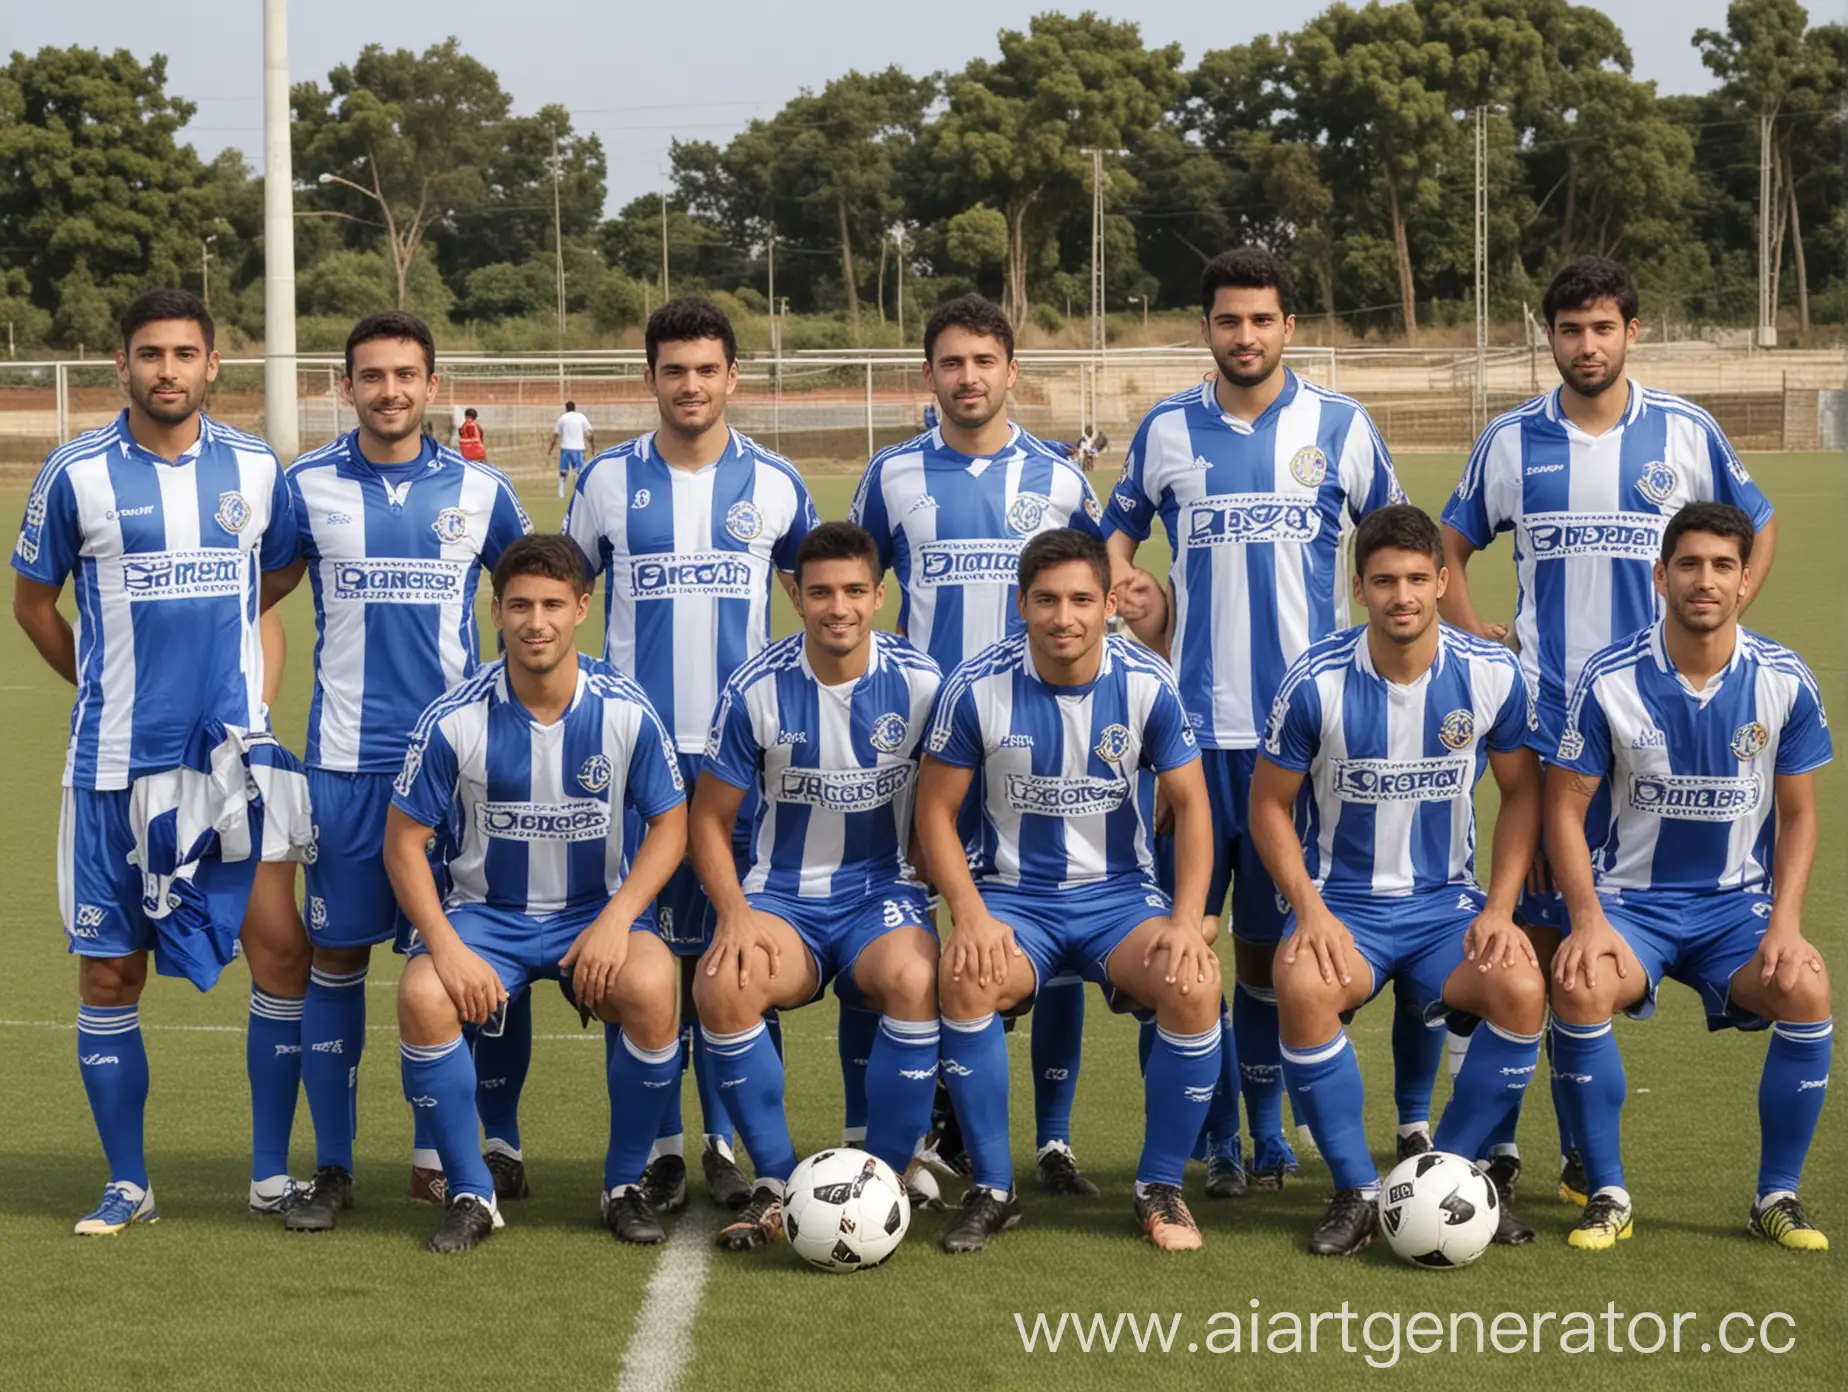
point(1349, 145)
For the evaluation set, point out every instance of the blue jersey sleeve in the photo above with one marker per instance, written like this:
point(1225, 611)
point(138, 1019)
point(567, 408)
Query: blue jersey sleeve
point(1585, 743)
point(1516, 721)
point(282, 539)
point(654, 784)
point(806, 521)
point(1130, 509)
point(1731, 483)
point(1805, 743)
point(732, 750)
point(1367, 474)
point(868, 510)
point(425, 788)
point(506, 525)
point(1293, 733)
point(583, 524)
point(955, 729)
point(1168, 739)
point(51, 536)
point(1089, 517)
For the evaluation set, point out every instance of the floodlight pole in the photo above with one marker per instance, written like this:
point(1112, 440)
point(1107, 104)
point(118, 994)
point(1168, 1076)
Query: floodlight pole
point(282, 423)
point(1481, 394)
point(1767, 311)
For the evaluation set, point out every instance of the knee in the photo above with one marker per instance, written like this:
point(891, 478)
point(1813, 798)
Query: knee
point(1191, 1012)
point(111, 982)
point(644, 998)
point(1520, 999)
point(279, 954)
point(425, 1012)
point(909, 989)
point(1584, 1005)
point(722, 1004)
point(342, 961)
point(1805, 1000)
point(965, 999)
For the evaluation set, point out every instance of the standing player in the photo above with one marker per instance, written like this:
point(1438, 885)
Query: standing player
point(395, 531)
point(1584, 476)
point(470, 442)
point(1254, 474)
point(825, 726)
point(1390, 726)
point(572, 436)
point(1708, 736)
point(950, 512)
point(1064, 723)
point(532, 763)
point(687, 524)
point(165, 517)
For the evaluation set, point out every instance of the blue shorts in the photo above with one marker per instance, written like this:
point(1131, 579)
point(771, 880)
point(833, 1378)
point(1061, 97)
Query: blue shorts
point(569, 460)
point(1697, 938)
point(1415, 941)
point(1072, 932)
point(837, 932)
point(349, 899)
point(1258, 910)
point(683, 914)
point(521, 949)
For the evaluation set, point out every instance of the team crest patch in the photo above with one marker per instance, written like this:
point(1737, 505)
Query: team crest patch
point(233, 511)
point(1113, 743)
point(451, 525)
point(744, 521)
point(1309, 466)
point(1458, 729)
point(640, 500)
point(312, 851)
point(1092, 510)
point(1571, 746)
point(1749, 740)
point(594, 775)
point(1657, 483)
point(1027, 511)
point(317, 911)
point(888, 733)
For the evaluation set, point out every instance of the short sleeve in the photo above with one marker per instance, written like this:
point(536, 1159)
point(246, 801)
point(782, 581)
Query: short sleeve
point(282, 539)
point(1168, 739)
point(1293, 733)
point(955, 729)
point(732, 750)
point(1129, 508)
point(583, 524)
point(506, 525)
point(654, 784)
point(425, 789)
point(1585, 741)
point(806, 520)
point(869, 510)
point(1516, 720)
point(51, 536)
point(1804, 743)
point(1366, 469)
point(1731, 483)
point(1088, 516)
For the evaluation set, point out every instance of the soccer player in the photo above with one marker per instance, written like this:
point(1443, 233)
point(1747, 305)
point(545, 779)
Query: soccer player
point(165, 517)
point(572, 436)
point(1362, 806)
point(1255, 474)
point(1708, 736)
point(950, 512)
point(531, 763)
point(470, 442)
point(1584, 476)
point(825, 726)
point(395, 531)
point(1064, 723)
point(687, 524)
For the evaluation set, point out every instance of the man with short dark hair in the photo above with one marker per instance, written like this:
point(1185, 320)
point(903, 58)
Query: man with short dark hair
point(573, 436)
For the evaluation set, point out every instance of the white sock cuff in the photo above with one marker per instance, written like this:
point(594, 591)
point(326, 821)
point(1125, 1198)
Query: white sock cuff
point(651, 1056)
point(428, 1053)
point(1581, 1031)
point(911, 1031)
point(1192, 1045)
point(1264, 994)
point(337, 981)
point(975, 1026)
point(1512, 1037)
point(1806, 1033)
point(731, 1043)
point(119, 1020)
point(285, 1008)
point(1319, 1053)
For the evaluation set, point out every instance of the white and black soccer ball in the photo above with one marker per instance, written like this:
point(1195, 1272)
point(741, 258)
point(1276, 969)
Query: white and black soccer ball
point(845, 1210)
point(1438, 1210)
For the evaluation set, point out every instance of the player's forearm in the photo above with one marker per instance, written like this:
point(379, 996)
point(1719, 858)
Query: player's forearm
point(710, 834)
point(1517, 837)
point(945, 860)
point(51, 634)
point(1568, 857)
point(664, 846)
point(1457, 606)
point(1274, 834)
point(1764, 553)
point(1193, 853)
point(275, 654)
point(407, 866)
point(1797, 834)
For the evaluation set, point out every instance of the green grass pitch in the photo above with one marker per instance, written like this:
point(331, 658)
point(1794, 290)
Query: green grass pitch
point(214, 1297)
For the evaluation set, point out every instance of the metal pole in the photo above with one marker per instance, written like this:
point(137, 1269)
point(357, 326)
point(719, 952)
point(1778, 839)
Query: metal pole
point(869, 411)
point(282, 418)
point(898, 235)
point(664, 290)
point(1097, 246)
point(1767, 312)
point(1480, 403)
point(61, 383)
point(558, 246)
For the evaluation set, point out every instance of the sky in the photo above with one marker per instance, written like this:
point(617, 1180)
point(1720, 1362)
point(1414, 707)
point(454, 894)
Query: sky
point(640, 76)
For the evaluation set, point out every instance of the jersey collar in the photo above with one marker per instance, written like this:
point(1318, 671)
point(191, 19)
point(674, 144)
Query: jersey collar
point(874, 661)
point(358, 460)
point(734, 449)
point(503, 693)
point(1031, 668)
point(1209, 401)
point(1632, 411)
point(1658, 649)
point(132, 447)
point(1363, 659)
point(939, 445)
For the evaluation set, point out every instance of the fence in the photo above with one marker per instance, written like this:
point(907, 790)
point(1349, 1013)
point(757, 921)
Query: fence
point(835, 409)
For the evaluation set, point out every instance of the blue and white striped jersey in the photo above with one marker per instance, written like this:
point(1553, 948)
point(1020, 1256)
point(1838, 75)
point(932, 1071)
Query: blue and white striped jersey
point(395, 555)
point(835, 766)
point(1392, 770)
point(1692, 774)
point(1065, 796)
point(686, 560)
point(1255, 514)
point(535, 812)
point(166, 555)
point(1587, 513)
point(951, 527)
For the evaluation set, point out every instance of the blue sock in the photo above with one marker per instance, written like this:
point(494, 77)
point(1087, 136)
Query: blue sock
point(1260, 1065)
point(639, 1082)
point(1417, 1054)
point(715, 1114)
point(1177, 1090)
point(1220, 1135)
point(902, 1071)
point(1325, 1083)
point(671, 1125)
point(333, 1037)
point(113, 1060)
point(975, 1070)
point(1790, 1096)
point(855, 1036)
point(750, 1070)
point(439, 1079)
point(273, 1061)
point(501, 1065)
point(1494, 1076)
point(1587, 1064)
point(1145, 1044)
point(773, 1021)
point(1056, 1047)
point(1567, 1141)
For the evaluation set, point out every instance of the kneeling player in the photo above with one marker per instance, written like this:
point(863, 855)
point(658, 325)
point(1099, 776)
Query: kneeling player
point(825, 726)
point(1709, 735)
point(530, 765)
point(1062, 721)
point(1390, 724)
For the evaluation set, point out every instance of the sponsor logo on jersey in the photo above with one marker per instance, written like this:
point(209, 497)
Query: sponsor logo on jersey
point(693, 574)
point(790, 737)
point(744, 521)
point(1695, 798)
point(576, 819)
point(1047, 796)
point(920, 503)
point(1649, 738)
point(888, 733)
point(1027, 512)
point(1750, 739)
point(1199, 461)
point(594, 774)
point(84, 933)
point(1234, 519)
point(1015, 742)
point(451, 525)
point(89, 916)
point(339, 519)
point(1657, 483)
point(1309, 466)
point(967, 563)
point(233, 511)
point(116, 514)
point(640, 499)
point(1556, 536)
point(1571, 745)
point(396, 581)
point(1112, 743)
point(1544, 469)
point(1401, 780)
point(843, 790)
point(208, 573)
point(1458, 729)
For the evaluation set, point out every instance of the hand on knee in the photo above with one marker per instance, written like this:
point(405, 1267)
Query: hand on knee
point(426, 1015)
point(723, 1006)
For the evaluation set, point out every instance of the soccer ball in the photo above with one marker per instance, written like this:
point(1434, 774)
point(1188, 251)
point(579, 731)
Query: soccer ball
point(845, 1210)
point(1438, 1210)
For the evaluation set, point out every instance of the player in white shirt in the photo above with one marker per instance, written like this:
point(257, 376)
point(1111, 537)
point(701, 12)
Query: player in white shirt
point(573, 437)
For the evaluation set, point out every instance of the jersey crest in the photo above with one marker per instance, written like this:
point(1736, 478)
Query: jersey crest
point(233, 511)
point(1309, 466)
point(1027, 512)
point(1113, 743)
point(1750, 739)
point(1657, 483)
point(744, 521)
point(594, 775)
point(451, 525)
point(1458, 729)
point(888, 733)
